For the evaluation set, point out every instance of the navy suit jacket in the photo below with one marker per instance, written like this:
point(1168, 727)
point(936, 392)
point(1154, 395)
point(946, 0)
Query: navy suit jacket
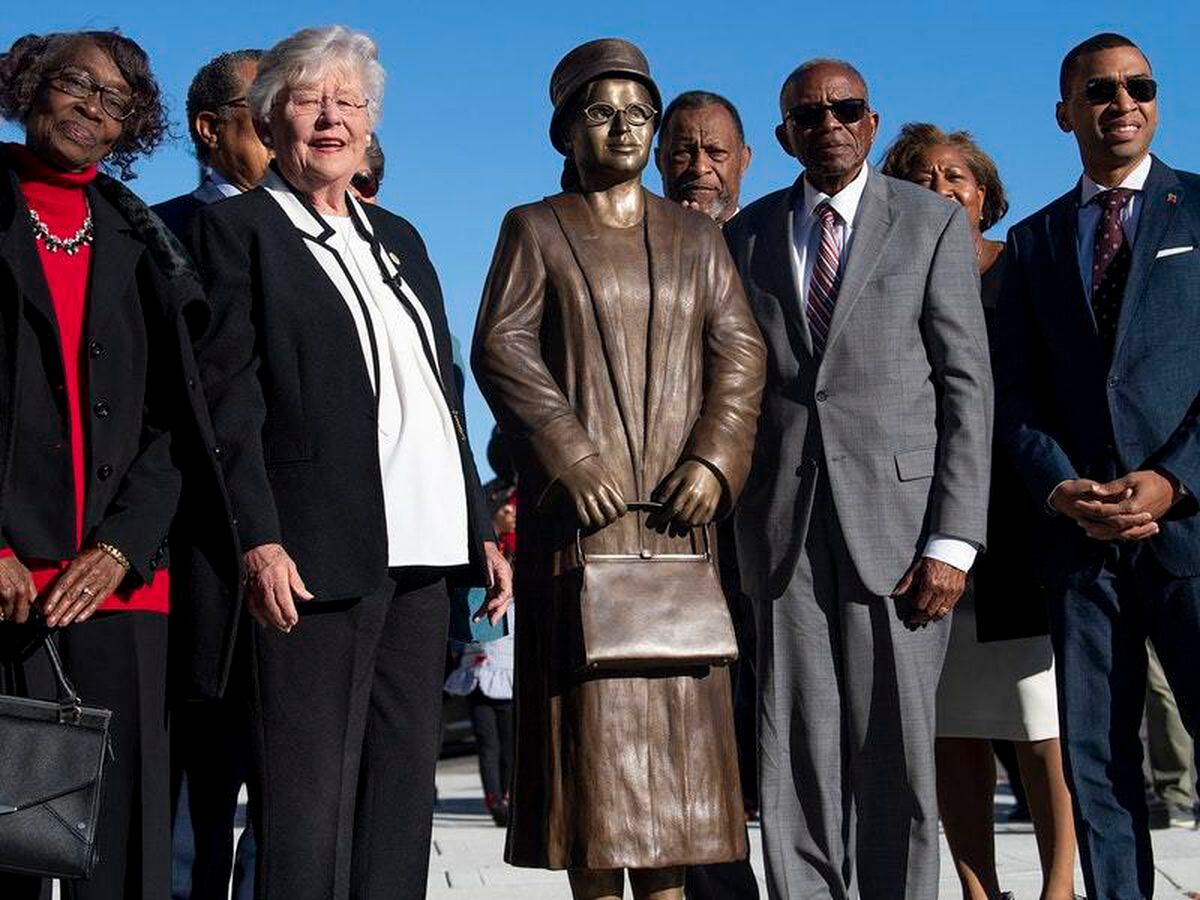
point(1065, 410)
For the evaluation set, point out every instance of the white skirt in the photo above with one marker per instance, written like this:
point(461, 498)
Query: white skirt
point(1001, 690)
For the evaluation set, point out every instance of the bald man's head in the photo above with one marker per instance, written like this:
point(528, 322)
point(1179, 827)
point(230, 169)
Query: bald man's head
point(815, 68)
point(828, 123)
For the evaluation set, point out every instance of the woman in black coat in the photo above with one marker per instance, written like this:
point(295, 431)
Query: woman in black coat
point(94, 302)
point(329, 373)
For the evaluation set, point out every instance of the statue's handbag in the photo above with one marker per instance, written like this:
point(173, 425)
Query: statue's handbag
point(653, 610)
point(52, 757)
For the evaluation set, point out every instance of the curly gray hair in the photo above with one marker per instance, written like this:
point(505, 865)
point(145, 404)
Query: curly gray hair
point(308, 56)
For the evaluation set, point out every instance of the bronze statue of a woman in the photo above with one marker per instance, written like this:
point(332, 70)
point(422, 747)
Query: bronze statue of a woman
point(617, 351)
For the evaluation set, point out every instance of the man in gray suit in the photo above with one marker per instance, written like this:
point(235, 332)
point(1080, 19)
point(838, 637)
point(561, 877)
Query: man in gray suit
point(867, 500)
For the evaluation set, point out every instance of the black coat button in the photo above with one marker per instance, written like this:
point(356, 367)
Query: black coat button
point(822, 396)
point(218, 451)
point(104, 472)
point(101, 409)
point(95, 349)
point(1114, 381)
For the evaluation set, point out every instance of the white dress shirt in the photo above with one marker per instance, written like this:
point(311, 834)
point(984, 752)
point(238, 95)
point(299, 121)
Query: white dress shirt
point(806, 242)
point(1090, 215)
point(806, 231)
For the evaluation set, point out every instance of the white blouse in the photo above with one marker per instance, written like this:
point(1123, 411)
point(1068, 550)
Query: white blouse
point(424, 492)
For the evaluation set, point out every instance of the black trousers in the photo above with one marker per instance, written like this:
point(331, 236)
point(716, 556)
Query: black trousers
point(491, 720)
point(1099, 631)
point(116, 660)
point(345, 712)
point(210, 747)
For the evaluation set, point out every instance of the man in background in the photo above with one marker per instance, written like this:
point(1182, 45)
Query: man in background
point(231, 157)
point(210, 742)
point(702, 155)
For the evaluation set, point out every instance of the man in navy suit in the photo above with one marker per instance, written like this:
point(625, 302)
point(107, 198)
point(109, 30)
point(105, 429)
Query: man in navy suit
point(1098, 392)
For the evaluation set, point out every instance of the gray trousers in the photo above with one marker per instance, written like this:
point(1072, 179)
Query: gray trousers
point(846, 731)
point(1172, 756)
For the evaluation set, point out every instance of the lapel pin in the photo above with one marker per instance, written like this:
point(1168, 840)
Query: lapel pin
point(1172, 199)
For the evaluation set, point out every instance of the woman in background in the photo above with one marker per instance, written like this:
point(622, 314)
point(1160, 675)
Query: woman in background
point(998, 679)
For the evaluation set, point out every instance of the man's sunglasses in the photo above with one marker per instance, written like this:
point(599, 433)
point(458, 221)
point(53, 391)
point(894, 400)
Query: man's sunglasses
point(366, 184)
point(1098, 91)
point(810, 115)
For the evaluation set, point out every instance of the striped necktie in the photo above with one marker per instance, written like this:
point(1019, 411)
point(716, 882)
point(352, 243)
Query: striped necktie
point(826, 278)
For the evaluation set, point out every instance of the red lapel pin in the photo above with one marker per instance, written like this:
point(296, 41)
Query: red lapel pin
point(1172, 199)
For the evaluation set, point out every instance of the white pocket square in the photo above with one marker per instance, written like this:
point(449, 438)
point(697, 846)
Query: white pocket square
point(1173, 251)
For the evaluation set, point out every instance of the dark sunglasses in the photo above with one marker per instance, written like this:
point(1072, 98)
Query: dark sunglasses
point(1104, 90)
point(810, 115)
point(366, 184)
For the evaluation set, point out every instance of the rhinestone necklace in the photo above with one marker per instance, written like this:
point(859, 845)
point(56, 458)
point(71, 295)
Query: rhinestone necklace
point(69, 245)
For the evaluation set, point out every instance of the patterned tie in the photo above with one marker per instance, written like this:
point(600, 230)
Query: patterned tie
point(826, 278)
point(1110, 263)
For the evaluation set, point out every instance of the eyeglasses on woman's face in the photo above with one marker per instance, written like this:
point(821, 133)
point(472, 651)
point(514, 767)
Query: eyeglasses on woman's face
point(308, 103)
point(80, 85)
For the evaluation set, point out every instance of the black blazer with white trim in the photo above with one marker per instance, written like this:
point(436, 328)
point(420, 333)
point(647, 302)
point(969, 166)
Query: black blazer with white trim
point(292, 401)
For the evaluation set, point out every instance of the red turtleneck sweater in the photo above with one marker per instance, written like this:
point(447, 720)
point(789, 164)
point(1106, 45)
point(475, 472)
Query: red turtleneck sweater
point(58, 199)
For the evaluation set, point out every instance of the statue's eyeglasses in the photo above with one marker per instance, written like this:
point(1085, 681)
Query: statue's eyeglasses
point(80, 85)
point(600, 113)
point(810, 115)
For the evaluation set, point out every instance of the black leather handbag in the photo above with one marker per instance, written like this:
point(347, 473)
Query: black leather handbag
point(52, 757)
point(653, 610)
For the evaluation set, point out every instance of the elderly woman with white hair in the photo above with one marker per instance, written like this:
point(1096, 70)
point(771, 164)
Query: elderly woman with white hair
point(328, 370)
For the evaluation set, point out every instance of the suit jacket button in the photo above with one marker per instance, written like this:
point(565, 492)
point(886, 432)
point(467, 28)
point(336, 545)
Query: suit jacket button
point(101, 409)
point(218, 450)
point(95, 349)
point(1113, 381)
point(104, 472)
point(822, 396)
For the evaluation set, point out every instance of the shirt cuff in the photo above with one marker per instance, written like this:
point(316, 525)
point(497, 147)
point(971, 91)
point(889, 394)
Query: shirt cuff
point(952, 551)
point(1049, 507)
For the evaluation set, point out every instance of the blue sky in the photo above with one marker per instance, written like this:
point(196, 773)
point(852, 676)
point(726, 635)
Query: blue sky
point(466, 108)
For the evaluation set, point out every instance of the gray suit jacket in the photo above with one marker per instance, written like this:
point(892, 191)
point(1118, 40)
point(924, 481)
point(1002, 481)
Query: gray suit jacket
point(900, 405)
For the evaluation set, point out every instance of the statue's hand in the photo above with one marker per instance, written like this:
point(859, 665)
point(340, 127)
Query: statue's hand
point(690, 495)
point(594, 492)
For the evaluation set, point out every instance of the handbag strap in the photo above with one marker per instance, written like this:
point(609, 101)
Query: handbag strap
point(644, 506)
point(70, 706)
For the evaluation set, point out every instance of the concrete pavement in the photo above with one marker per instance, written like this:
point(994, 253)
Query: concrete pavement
point(466, 860)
